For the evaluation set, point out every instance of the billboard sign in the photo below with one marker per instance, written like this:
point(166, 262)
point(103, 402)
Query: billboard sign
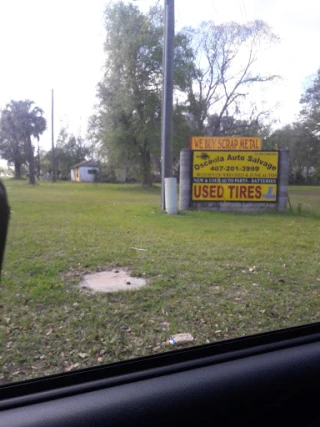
point(235, 176)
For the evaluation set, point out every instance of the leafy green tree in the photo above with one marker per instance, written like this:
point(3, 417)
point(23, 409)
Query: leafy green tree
point(69, 151)
point(12, 147)
point(127, 125)
point(130, 93)
point(94, 136)
point(229, 125)
point(304, 150)
point(310, 118)
point(302, 137)
point(20, 121)
point(310, 101)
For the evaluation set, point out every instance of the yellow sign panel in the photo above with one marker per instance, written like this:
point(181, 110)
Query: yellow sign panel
point(247, 176)
point(228, 164)
point(225, 143)
point(234, 192)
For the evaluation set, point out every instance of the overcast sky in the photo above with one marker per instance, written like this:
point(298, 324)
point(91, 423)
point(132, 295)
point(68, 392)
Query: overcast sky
point(58, 44)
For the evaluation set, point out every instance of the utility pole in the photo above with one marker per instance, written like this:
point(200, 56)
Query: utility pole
point(167, 97)
point(52, 140)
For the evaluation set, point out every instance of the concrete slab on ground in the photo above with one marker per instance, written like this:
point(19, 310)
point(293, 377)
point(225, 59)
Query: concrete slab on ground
point(112, 281)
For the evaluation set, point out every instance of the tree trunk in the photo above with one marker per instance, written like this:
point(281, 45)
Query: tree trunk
point(147, 180)
point(38, 163)
point(17, 170)
point(200, 126)
point(32, 179)
point(146, 167)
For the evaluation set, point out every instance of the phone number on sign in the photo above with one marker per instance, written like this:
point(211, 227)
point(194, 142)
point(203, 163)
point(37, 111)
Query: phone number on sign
point(236, 168)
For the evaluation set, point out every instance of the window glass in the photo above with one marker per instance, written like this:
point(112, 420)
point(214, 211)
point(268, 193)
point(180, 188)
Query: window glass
point(95, 271)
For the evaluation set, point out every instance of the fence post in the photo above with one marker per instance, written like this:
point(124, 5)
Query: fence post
point(185, 179)
point(283, 180)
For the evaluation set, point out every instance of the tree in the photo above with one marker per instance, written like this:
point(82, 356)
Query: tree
point(304, 150)
point(69, 151)
point(310, 100)
point(12, 148)
point(20, 121)
point(229, 125)
point(214, 68)
point(224, 69)
point(93, 135)
point(130, 93)
point(302, 138)
point(128, 120)
point(310, 120)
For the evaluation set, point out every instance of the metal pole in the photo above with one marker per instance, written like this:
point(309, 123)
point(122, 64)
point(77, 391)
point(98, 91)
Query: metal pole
point(169, 78)
point(163, 118)
point(52, 139)
point(167, 97)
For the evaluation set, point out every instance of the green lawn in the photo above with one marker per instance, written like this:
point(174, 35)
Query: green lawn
point(305, 199)
point(213, 275)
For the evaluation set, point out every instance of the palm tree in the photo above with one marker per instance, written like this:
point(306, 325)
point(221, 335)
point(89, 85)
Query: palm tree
point(20, 121)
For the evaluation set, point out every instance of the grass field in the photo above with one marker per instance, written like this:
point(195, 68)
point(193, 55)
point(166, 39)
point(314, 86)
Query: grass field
point(305, 200)
point(214, 275)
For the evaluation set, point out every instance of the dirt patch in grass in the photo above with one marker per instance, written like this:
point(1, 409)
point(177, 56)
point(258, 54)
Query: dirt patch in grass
point(115, 280)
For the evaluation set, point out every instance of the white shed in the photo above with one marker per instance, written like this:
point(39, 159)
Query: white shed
point(84, 171)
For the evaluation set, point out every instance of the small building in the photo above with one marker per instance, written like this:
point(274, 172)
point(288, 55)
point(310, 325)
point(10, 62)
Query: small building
point(84, 171)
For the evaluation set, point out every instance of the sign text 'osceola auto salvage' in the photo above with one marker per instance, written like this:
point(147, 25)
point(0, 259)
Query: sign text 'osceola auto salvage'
point(225, 143)
point(235, 176)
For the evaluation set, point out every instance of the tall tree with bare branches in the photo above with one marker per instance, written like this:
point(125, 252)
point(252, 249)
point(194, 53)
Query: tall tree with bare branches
point(224, 68)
